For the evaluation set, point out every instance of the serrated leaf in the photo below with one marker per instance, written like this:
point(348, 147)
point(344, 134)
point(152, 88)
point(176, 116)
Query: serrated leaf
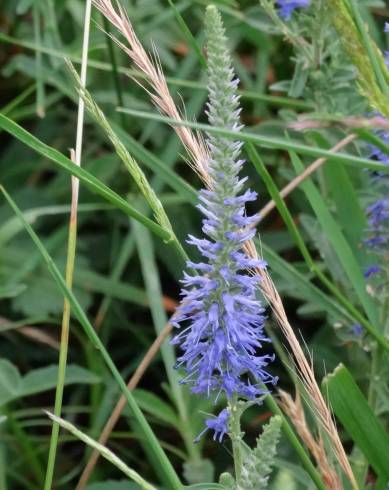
point(259, 462)
point(46, 378)
point(41, 299)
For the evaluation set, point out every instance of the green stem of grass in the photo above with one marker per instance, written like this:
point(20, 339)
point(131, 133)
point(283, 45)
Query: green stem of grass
point(71, 254)
point(294, 441)
point(28, 450)
point(40, 88)
point(236, 438)
point(114, 64)
point(369, 47)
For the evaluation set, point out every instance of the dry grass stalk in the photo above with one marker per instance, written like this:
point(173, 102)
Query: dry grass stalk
point(157, 85)
point(352, 122)
point(304, 368)
point(197, 150)
point(115, 415)
point(291, 186)
point(295, 411)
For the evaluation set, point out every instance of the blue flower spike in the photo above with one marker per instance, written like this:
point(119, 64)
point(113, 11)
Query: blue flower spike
point(220, 318)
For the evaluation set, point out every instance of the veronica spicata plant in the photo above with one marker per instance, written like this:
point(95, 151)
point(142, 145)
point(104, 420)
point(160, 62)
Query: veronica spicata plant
point(220, 317)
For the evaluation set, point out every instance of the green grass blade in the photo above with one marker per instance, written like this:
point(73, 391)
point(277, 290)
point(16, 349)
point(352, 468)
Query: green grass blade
point(338, 242)
point(351, 217)
point(370, 47)
point(84, 176)
point(304, 287)
point(296, 444)
point(351, 408)
point(13, 104)
point(40, 87)
point(177, 82)
point(286, 216)
point(166, 174)
point(187, 34)
point(105, 452)
point(160, 459)
point(154, 292)
point(265, 141)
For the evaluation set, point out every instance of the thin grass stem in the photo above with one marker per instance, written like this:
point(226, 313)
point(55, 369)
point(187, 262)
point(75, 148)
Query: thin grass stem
point(71, 254)
point(40, 87)
point(114, 64)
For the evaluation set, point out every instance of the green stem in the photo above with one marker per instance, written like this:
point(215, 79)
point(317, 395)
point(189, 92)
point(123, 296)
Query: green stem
point(70, 260)
point(40, 88)
point(28, 449)
point(236, 437)
point(13, 104)
point(115, 73)
point(369, 46)
point(298, 447)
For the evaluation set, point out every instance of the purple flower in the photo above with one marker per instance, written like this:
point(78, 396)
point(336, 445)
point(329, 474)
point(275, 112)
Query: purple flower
point(386, 57)
point(218, 424)
point(287, 7)
point(386, 28)
point(220, 317)
point(371, 271)
point(357, 329)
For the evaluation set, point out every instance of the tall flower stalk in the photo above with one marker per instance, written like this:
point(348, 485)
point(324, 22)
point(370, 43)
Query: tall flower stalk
point(220, 317)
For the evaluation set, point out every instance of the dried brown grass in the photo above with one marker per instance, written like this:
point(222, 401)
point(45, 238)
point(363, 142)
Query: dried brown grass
point(156, 87)
point(295, 411)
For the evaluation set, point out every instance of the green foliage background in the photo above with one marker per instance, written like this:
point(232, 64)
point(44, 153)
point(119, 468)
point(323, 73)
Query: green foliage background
point(126, 277)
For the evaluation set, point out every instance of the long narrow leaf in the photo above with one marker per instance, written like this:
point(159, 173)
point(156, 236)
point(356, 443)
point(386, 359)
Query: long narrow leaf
point(286, 216)
point(105, 452)
point(352, 409)
point(187, 33)
point(160, 459)
point(265, 141)
point(85, 177)
point(177, 82)
point(338, 242)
